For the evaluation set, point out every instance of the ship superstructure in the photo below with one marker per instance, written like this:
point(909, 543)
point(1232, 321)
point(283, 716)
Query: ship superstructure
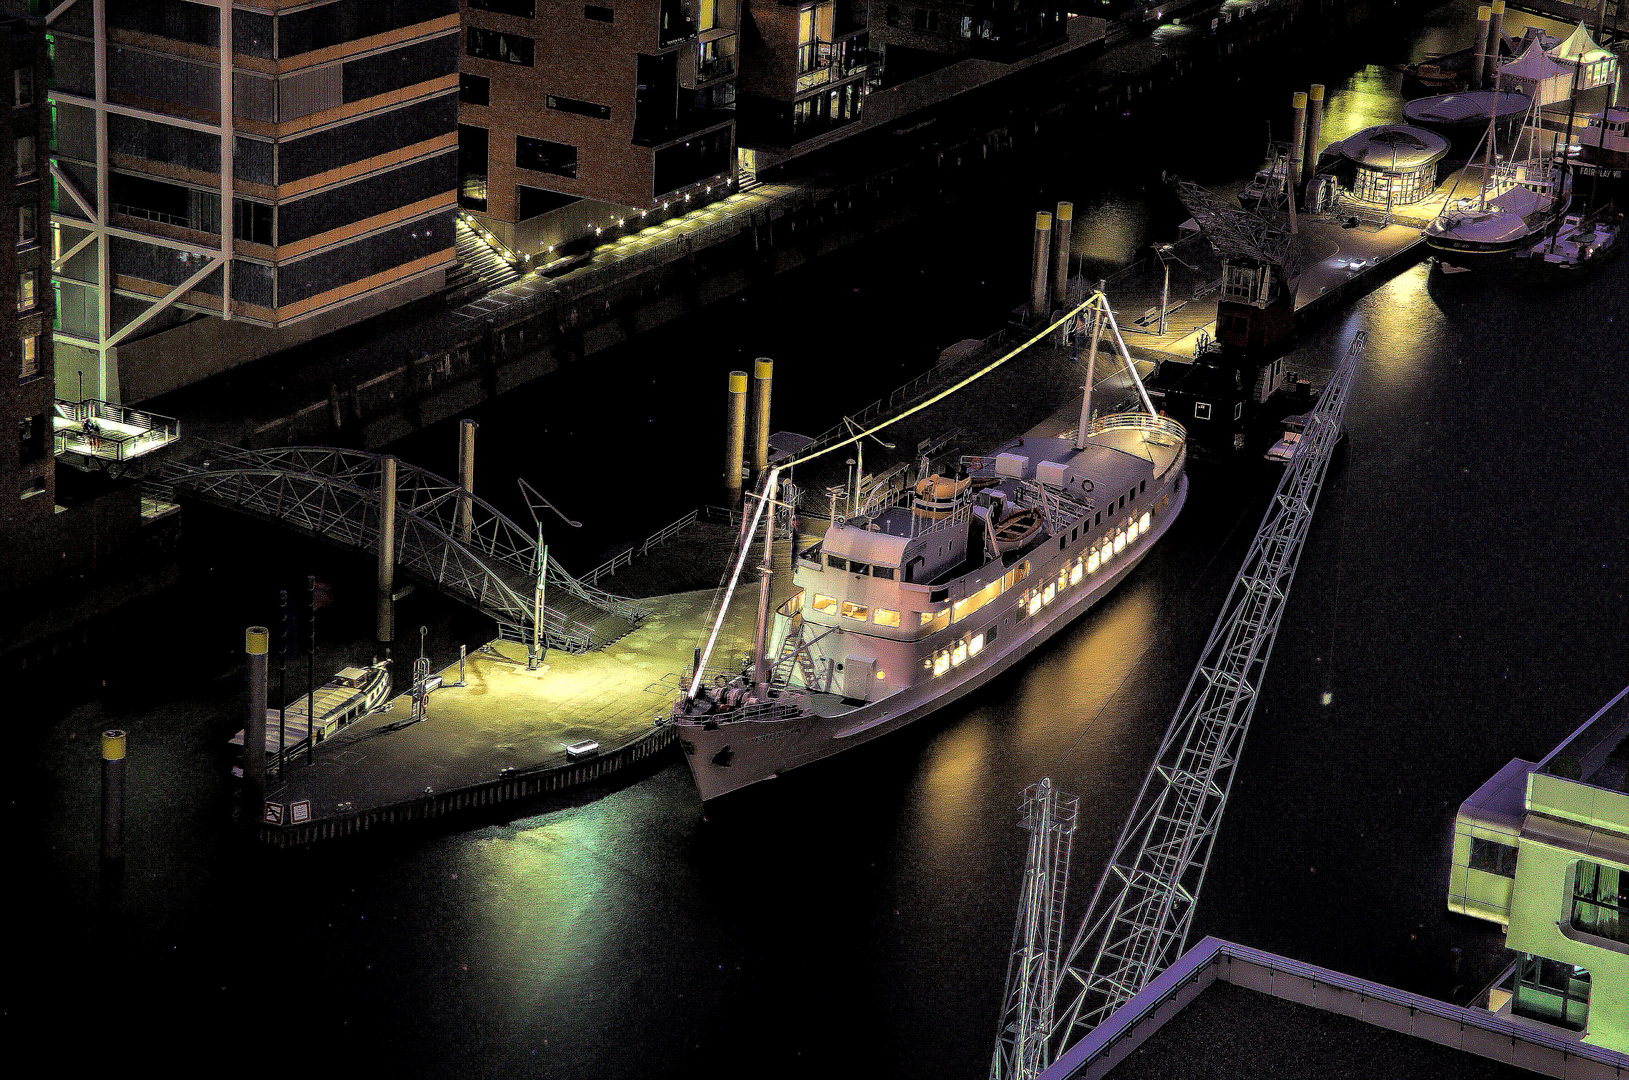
point(904, 606)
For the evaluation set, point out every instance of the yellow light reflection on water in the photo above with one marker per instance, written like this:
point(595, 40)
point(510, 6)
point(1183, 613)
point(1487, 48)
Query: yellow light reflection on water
point(951, 790)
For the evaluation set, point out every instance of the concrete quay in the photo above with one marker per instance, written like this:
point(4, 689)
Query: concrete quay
point(501, 737)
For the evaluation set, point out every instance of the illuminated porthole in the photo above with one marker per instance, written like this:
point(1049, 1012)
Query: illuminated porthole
point(882, 675)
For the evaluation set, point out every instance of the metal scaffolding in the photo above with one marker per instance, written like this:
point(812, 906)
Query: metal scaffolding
point(1142, 911)
point(1037, 938)
point(333, 495)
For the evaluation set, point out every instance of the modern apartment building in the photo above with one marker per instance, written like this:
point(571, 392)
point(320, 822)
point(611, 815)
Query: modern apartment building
point(804, 70)
point(574, 116)
point(1543, 850)
point(917, 36)
point(174, 260)
point(27, 470)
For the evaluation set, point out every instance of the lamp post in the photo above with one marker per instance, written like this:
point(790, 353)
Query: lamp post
point(534, 654)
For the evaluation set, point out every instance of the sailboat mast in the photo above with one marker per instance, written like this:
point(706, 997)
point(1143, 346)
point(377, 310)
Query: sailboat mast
point(1566, 151)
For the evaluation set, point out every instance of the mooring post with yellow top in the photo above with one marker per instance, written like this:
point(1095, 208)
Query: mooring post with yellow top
point(735, 441)
point(255, 641)
point(113, 751)
point(763, 370)
point(1315, 130)
point(1063, 224)
point(1038, 269)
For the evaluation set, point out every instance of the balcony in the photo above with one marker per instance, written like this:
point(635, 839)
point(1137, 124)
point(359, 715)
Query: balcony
point(709, 59)
point(109, 432)
point(815, 60)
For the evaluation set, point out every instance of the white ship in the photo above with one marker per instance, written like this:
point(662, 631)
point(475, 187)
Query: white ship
point(902, 609)
point(350, 695)
point(1518, 207)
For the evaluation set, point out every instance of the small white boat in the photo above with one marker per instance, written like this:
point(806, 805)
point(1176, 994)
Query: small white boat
point(1578, 242)
point(1284, 449)
point(350, 695)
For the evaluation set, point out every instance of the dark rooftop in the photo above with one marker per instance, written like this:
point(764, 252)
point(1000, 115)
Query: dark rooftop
point(1230, 1031)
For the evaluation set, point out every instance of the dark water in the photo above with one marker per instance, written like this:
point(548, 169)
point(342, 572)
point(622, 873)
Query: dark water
point(1460, 598)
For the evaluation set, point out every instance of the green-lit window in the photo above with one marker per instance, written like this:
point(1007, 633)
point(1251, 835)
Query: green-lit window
point(1493, 857)
point(1600, 902)
point(1552, 991)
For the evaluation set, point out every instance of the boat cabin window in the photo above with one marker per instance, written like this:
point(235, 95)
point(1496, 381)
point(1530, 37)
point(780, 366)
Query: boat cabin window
point(910, 567)
point(938, 596)
point(859, 568)
point(1122, 502)
point(884, 572)
point(1201, 410)
point(836, 562)
point(828, 604)
point(1063, 542)
point(885, 617)
point(855, 611)
point(1098, 520)
point(1143, 486)
point(963, 608)
point(926, 619)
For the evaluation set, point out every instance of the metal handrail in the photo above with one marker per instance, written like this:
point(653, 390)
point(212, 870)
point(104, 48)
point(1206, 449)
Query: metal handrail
point(626, 557)
point(1140, 421)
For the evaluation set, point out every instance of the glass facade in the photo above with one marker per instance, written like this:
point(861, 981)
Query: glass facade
point(1553, 992)
point(1599, 901)
point(1399, 188)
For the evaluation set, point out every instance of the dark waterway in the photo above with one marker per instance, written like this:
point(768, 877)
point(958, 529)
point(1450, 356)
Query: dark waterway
point(1460, 599)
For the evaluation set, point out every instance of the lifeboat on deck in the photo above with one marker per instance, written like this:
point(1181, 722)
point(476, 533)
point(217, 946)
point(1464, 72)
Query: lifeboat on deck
point(1017, 530)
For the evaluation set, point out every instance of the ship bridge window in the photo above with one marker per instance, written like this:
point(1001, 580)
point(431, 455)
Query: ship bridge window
point(1143, 486)
point(859, 568)
point(836, 562)
point(884, 572)
point(828, 604)
point(1493, 857)
point(938, 596)
point(858, 612)
point(885, 617)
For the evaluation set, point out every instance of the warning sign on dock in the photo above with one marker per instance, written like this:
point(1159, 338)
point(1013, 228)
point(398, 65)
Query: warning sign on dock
point(273, 814)
point(300, 812)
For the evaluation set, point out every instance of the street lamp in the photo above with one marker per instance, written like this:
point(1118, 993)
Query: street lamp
point(534, 654)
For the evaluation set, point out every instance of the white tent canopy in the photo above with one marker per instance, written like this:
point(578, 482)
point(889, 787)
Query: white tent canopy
point(1596, 66)
point(1536, 75)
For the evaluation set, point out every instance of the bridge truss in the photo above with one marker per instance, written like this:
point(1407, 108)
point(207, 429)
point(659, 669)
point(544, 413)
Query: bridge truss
point(486, 560)
point(1140, 916)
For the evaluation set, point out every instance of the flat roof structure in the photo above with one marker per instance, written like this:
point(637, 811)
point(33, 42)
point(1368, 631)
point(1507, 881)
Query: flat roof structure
point(1226, 1010)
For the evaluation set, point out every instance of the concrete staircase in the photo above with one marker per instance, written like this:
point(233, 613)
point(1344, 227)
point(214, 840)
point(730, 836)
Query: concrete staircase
point(479, 270)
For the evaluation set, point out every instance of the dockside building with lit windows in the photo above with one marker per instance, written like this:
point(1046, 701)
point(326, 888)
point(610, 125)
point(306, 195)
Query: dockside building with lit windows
point(1543, 850)
point(333, 200)
point(576, 119)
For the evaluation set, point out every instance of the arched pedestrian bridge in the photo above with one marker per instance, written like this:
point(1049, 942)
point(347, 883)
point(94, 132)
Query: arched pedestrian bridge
point(334, 495)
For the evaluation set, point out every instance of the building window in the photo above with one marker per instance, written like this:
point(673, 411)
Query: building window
point(1238, 409)
point(541, 155)
point(919, 19)
point(520, 9)
point(27, 226)
point(1599, 901)
point(30, 350)
point(472, 174)
point(492, 45)
point(25, 156)
point(31, 437)
point(27, 283)
point(22, 86)
point(1201, 410)
point(35, 485)
point(599, 14)
point(474, 89)
point(892, 15)
point(581, 108)
point(1493, 857)
point(1553, 992)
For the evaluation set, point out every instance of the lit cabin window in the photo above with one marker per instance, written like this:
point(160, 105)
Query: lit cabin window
point(1108, 550)
point(927, 619)
point(1063, 579)
point(884, 617)
point(975, 646)
point(1131, 531)
point(961, 609)
point(1034, 602)
point(941, 663)
point(855, 611)
point(1145, 521)
point(1048, 593)
point(828, 604)
point(958, 654)
point(1119, 542)
point(795, 604)
point(1093, 562)
point(1077, 572)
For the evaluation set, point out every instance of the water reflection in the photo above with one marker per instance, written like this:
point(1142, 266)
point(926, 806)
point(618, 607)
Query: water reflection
point(952, 788)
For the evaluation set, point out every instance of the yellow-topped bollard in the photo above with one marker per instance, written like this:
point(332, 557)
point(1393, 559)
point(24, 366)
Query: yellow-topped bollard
point(1038, 269)
point(735, 441)
point(113, 752)
point(1063, 223)
point(763, 372)
point(256, 641)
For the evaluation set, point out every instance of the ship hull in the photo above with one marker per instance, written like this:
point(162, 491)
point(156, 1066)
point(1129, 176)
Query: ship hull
point(728, 757)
